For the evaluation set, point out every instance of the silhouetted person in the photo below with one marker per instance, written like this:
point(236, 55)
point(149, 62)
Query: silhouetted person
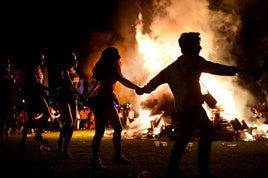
point(67, 98)
point(182, 76)
point(107, 72)
point(36, 99)
point(22, 118)
point(6, 97)
point(84, 117)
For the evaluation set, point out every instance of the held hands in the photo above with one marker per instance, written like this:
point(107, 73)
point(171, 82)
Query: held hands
point(140, 91)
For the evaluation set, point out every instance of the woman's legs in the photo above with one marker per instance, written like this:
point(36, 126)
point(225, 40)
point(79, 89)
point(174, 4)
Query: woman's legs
point(117, 127)
point(100, 122)
point(70, 125)
point(67, 128)
point(115, 122)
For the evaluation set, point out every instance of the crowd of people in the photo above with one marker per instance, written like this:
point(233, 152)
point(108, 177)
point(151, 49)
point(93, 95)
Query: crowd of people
point(182, 76)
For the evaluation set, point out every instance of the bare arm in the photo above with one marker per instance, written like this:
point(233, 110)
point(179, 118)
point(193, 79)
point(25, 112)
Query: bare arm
point(126, 82)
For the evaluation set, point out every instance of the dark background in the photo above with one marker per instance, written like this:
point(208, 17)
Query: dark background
point(53, 26)
point(43, 25)
point(28, 28)
point(47, 25)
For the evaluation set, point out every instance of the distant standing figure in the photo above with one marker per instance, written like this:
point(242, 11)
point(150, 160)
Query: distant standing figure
point(84, 117)
point(107, 72)
point(183, 76)
point(22, 118)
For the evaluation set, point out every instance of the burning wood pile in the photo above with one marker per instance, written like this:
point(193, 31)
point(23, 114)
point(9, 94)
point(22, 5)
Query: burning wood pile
point(164, 126)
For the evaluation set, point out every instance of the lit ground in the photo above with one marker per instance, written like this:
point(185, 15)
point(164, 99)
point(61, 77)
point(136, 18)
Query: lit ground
point(228, 158)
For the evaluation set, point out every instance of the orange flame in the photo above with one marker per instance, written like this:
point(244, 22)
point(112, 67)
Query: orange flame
point(157, 54)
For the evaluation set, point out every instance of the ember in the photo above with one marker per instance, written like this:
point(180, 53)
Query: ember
point(165, 126)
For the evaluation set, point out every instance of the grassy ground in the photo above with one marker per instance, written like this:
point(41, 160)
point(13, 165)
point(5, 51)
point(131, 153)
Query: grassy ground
point(228, 158)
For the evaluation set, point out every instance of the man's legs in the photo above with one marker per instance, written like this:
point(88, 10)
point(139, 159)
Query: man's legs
point(181, 142)
point(204, 146)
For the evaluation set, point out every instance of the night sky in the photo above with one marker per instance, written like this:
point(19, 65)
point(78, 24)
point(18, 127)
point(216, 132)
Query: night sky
point(50, 26)
point(44, 24)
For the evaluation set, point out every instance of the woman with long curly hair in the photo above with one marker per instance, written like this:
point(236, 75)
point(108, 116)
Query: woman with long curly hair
point(107, 72)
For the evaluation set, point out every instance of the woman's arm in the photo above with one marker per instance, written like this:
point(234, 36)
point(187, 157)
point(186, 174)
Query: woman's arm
point(125, 81)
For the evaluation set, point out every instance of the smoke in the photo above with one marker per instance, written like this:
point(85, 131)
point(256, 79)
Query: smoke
point(222, 28)
point(218, 29)
point(162, 101)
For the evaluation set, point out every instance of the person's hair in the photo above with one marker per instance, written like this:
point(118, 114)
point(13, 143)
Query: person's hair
point(188, 40)
point(109, 59)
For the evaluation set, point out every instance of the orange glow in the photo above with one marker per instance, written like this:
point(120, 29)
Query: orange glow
point(158, 52)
